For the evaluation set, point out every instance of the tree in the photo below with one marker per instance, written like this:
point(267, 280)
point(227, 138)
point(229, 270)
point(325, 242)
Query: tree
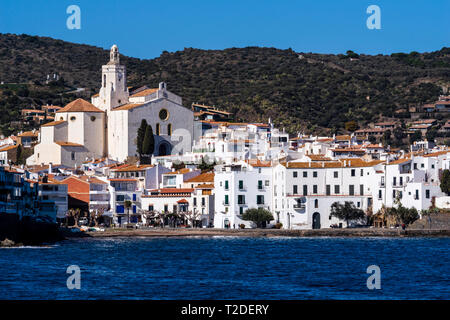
point(403, 214)
point(347, 211)
point(351, 54)
point(148, 145)
point(258, 216)
point(19, 154)
point(206, 165)
point(399, 135)
point(431, 134)
point(192, 216)
point(445, 182)
point(140, 137)
point(386, 139)
point(127, 205)
point(416, 136)
point(351, 125)
point(75, 214)
point(372, 139)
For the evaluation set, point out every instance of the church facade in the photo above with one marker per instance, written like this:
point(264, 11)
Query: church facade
point(107, 126)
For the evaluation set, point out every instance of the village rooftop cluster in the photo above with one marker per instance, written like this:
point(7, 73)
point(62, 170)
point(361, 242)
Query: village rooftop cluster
point(206, 170)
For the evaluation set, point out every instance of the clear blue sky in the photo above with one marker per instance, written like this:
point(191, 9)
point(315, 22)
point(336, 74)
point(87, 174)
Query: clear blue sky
point(145, 28)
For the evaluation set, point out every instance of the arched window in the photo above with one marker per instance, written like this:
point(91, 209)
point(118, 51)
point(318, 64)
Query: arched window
point(104, 80)
point(169, 129)
point(316, 203)
point(158, 129)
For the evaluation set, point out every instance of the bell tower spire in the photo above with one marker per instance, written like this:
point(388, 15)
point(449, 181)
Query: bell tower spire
point(114, 57)
point(114, 91)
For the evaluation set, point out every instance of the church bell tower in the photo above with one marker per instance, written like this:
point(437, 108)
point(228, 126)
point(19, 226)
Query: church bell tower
point(114, 91)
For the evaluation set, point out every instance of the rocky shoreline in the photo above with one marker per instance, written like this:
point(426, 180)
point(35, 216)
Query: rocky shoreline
point(167, 232)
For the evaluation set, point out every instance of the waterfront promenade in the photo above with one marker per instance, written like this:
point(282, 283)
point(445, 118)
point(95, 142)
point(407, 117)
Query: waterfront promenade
point(183, 232)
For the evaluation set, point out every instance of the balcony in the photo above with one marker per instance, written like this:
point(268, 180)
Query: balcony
point(381, 184)
point(299, 206)
point(225, 203)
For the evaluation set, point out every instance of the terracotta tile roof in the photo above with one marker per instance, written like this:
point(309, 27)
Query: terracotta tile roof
point(399, 161)
point(51, 107)
point(33, 110)
point(204, 177)
point(344, 137)
point(79, 105)
point(181, 171)
point(128, 106)
point(144, 93)
point(133, 167)
point(333, 164)
point(122, 180)
point(29, 134)
point(325, 140)
point(258, 163)
point(374, 146)
point(172, 190)
point(435, 154)
point(182, 201)
point(318, 157)
point(348, 150)
point(205, 186)
point(7, 148)
point(53, 123)
point(93, 180)
point(68, 144)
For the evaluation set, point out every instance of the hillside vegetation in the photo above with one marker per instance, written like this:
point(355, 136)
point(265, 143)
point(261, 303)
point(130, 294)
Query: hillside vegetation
point(299, 91)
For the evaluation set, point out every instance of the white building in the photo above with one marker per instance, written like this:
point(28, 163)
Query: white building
point(108, 126)
point(239, 187)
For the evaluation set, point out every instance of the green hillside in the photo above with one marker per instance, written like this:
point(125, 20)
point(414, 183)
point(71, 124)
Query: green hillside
point(299, 91)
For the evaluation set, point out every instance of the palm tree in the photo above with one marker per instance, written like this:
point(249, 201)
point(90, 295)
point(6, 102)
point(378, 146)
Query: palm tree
point(75, 213)
point(128, 206)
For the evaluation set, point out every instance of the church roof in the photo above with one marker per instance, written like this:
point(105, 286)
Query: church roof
point(53, 123)
point(68, 144)
point(144, 93)
point(79, 105)
point(128, 106)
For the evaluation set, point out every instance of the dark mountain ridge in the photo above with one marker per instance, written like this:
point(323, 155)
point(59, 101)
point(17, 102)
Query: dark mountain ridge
point(299, 91)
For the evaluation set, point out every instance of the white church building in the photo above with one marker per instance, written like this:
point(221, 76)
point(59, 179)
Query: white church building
point(107, 126)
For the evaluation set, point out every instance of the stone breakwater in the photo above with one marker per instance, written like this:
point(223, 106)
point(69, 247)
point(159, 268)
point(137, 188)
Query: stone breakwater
point(167, 232)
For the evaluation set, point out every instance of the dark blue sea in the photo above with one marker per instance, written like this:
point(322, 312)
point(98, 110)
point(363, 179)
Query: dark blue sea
point(229, 268)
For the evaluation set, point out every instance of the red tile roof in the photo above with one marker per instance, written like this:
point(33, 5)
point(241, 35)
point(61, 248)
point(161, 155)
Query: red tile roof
point(79, 105)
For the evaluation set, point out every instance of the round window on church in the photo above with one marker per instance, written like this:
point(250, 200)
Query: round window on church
point(163, 114)
point(92, 118)
point(73, 118)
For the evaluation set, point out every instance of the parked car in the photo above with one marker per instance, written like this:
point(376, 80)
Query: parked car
point(83, 221)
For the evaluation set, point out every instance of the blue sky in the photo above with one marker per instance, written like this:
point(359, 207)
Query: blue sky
point(145, 28)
